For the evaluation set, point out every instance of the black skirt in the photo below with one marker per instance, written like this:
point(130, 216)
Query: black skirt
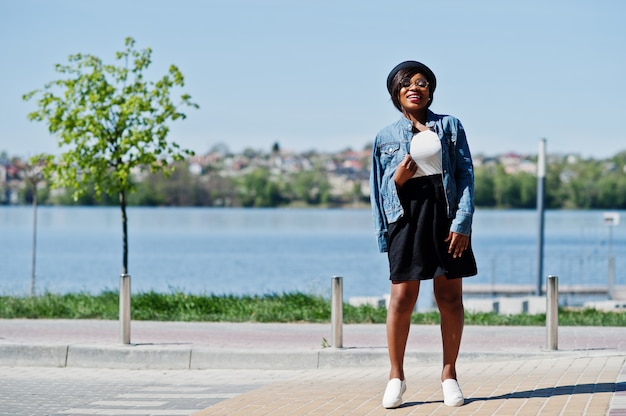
point(417, 247)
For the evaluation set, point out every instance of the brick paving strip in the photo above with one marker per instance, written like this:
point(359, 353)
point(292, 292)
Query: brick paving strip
point(618, 404)
point(550, 386)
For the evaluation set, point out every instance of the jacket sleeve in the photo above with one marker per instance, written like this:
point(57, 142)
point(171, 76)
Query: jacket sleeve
point(376, 200)
point(464, 178)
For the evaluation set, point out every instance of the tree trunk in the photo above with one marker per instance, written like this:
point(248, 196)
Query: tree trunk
point(124, 232)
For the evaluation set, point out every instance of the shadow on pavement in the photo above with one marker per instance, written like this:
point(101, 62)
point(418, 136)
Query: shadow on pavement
point(545, 392)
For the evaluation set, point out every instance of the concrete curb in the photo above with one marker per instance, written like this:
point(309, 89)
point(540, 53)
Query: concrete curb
point(17, 355)
point(257, 359)
point(136, 358)
point(150, 357)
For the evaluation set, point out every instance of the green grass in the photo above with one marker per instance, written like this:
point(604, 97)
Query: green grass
point(286, 307)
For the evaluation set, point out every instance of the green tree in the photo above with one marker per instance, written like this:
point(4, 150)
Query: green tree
point(527, 184)
point(257, 189)
point(110, 122)
point(484, 194)
point(555, 187)
point(181, 188)
point(310, 186)
point(504, 188)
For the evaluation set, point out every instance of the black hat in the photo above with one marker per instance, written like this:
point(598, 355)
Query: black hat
point(419, 67)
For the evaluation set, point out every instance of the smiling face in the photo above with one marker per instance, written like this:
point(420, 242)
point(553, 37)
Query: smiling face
point(414, 95)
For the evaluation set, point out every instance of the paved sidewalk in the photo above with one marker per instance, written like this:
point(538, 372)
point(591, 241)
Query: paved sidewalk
point(502, 370)
point(542, 386)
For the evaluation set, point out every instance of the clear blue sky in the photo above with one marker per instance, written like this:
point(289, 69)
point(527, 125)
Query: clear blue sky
point(310, 74)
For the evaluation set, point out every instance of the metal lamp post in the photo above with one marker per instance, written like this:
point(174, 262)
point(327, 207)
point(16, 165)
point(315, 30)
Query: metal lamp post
point(541, 181)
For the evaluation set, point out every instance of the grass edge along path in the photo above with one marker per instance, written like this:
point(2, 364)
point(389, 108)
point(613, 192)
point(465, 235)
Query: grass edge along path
point(286, 307)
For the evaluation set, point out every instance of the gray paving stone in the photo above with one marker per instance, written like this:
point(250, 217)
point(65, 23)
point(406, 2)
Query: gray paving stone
point(34, 391)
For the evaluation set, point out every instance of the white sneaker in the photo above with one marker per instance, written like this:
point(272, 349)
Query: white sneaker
point(393, 393)
point(452, 395)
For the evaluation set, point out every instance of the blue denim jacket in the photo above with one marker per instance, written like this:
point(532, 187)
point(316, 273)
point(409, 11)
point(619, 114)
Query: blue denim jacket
point(391, 146)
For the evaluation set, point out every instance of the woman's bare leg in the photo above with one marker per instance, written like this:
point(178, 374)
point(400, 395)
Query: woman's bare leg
point(449, 297)
point(401, 305)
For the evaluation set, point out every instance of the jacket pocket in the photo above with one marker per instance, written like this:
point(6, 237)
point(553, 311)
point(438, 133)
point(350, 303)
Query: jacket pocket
point(388, 151)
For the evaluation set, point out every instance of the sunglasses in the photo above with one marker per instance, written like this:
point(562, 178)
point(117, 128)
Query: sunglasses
point(419, 83)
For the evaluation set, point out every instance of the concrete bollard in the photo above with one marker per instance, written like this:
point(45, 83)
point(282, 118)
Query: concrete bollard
point(336, 312)
point(125, 309)
point(552, 313)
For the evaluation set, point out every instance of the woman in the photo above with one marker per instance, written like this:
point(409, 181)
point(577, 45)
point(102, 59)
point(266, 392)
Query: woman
point(422, 194)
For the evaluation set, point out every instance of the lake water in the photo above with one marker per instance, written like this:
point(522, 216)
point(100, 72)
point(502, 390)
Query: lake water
point(260, 251)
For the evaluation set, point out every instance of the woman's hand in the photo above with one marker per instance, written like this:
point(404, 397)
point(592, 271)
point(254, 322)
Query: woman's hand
point(458, 243)
point(405, 171)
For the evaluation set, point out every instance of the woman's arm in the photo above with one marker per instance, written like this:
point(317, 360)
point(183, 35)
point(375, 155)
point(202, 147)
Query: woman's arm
point(376, 200)
point(464, 179)
point(405, 171)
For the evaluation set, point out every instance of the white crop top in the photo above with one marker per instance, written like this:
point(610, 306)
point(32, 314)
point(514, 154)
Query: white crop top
point(426, 152)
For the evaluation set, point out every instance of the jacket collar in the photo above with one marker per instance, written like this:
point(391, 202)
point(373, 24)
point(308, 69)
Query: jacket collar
point(431, 121)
